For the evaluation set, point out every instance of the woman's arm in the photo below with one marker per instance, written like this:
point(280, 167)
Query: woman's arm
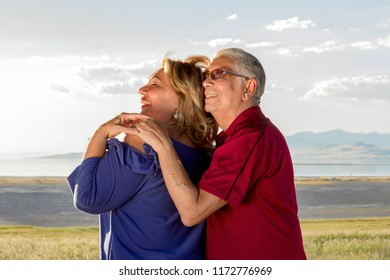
point(97, 144)
point(101, 182)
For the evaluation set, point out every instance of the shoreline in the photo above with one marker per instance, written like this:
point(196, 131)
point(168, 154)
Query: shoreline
point(319, 180)
point(325, 180)
point(32, 180)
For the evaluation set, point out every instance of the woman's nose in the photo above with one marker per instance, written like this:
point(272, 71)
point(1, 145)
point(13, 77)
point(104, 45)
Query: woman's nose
point(142, 89)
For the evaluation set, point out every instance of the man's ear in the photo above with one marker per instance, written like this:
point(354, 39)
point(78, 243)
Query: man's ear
point(250, 89)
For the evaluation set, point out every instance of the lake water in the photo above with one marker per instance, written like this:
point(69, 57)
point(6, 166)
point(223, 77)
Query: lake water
point(63, 167)
point(38, 167)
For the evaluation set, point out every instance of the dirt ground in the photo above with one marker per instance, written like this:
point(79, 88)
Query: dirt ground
point(47, 201)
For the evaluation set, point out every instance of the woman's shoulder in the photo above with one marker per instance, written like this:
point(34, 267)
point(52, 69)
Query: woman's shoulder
point(131, 157)
point(135, 142)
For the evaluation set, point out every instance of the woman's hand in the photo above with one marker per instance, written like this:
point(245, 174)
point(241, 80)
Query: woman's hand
point(122, 123)
point(154, 133)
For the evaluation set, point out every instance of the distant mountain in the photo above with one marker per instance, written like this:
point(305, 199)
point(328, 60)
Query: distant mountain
point(337, 146)
point(342, 154)
point(337, 137)
point(64, 156)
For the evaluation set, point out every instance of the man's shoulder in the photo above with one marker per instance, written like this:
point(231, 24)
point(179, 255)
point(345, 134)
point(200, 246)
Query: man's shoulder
point(252, 124)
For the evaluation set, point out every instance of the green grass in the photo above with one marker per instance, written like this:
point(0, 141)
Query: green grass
point(354, 239)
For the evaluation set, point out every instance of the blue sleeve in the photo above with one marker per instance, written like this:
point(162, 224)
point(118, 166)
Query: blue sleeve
point(103, 184)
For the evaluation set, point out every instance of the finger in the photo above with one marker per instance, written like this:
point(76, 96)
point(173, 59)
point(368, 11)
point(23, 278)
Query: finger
point(132, 117)
point(131, 130)
point(127, 119)
point(151, 133)
point(146, 126)
point(146, 130)
point(157, 127)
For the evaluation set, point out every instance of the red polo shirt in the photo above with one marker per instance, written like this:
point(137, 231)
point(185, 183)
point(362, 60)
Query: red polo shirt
point(255, 176)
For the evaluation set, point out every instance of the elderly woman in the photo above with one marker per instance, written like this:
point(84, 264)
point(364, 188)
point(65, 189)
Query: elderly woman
point(122, 180)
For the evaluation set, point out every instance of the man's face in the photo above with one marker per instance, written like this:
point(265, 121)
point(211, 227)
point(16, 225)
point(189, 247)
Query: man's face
point(223, 96)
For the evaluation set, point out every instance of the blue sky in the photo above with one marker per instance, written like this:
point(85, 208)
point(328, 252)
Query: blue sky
point(68, 66)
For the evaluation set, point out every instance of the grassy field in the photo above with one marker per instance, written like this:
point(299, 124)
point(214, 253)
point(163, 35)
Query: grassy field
point(355, 239)
point(40, 243)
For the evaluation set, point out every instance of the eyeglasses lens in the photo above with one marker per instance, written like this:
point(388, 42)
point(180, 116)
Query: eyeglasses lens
point(216, 74)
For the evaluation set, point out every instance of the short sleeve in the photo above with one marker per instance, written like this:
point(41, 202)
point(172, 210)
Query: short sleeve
point(232, 169)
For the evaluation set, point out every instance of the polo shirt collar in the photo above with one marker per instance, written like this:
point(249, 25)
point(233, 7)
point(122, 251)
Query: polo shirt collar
point(248, 115)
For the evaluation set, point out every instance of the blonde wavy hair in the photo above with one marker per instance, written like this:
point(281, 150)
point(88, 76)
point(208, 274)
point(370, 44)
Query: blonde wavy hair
point(187, 77)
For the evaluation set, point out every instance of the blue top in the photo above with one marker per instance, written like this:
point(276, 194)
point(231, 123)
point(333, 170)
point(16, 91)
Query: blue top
point(138, 219)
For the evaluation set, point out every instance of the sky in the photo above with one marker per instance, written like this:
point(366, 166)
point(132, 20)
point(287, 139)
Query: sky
point(66, 67)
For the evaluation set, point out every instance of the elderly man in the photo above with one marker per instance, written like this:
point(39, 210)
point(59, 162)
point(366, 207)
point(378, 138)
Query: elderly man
point(247, 194)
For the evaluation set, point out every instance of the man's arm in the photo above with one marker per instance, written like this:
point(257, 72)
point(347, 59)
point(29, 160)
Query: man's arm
point(194, 205)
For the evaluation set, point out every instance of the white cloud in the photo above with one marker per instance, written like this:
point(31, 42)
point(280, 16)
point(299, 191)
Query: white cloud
point(354, 29)
point(275, 85)
point(197, 43)
point(293, 22)
point(122, 87)
point(222, 42)
point(60, 88)
point(365, 45)
point(52, 86)
point(327, 46)
point(97, 77)
point(283, 51)
point(372, 45)
point(260, 45)
point(384, 41)
point(232, 17)
point(104, 72)
point(216, 42)
point(375, 88)
point(384, 23)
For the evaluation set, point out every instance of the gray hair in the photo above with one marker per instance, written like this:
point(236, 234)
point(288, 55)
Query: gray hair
point(248, 65)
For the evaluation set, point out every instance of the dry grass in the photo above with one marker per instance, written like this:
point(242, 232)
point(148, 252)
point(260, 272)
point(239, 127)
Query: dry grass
point(354, 239)
point(37, 243)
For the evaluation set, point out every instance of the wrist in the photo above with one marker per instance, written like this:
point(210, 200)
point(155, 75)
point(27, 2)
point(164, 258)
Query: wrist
point(97, 145)
point(101, 133)
point(165, 148)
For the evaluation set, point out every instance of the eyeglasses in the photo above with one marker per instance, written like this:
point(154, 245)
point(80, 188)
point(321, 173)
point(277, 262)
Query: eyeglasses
point(218, 74)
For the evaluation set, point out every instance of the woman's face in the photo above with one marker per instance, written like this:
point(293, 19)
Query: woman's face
point(158, 98)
